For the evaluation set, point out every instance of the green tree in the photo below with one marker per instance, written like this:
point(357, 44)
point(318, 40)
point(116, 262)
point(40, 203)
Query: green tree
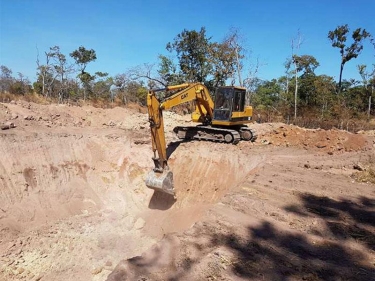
point(368, 79)
point(227, 58)
point(83, 57)
point(338, 38)
point(267, 94)
point(222, 58)
point(102, 84)
point(192, 50)
point(168, 71)
point(305, 63)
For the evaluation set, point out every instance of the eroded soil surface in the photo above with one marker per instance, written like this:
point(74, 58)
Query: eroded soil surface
point(74, 206)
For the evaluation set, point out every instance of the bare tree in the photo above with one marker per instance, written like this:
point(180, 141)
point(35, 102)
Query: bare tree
point(146, 71)
point(235, 42)
point(295, 45)
point(62, 69)
point(46, 73)
point(251, 81)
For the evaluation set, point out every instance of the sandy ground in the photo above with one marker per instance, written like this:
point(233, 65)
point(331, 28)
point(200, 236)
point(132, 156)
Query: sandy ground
point(74, 206)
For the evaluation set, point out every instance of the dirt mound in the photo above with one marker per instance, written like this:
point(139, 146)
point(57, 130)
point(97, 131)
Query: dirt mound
point(327, 141)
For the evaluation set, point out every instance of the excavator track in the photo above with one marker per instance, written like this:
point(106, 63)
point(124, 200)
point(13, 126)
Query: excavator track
point(248, 134)
point(207, 133)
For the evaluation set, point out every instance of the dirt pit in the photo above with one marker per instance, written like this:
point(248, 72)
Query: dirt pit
point(74, 205)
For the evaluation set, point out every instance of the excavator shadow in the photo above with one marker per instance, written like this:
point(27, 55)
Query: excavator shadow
point(173, 145)
point(161, 201)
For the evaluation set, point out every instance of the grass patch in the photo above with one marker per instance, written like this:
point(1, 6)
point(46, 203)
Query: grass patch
point(366, 172)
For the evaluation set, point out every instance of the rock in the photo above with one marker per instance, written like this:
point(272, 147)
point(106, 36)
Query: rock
point(139, 224)
point(28, 117)
point(359, 167)
point(8, 125)
point(97, 270)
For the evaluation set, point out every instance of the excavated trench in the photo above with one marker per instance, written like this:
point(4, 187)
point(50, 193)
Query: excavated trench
point(85, 192)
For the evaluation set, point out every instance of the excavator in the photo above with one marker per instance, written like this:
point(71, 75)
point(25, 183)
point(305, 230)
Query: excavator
point(222, 120)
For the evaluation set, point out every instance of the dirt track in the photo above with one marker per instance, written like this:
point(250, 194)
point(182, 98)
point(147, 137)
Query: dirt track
point(74, 206)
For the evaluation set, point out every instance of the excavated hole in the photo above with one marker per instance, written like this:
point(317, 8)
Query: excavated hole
point(86, 193)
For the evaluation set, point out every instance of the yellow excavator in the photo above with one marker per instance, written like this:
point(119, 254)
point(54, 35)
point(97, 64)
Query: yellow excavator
point(223, 121)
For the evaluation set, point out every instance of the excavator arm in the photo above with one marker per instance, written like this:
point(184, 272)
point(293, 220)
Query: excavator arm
point(191, 92)
point(161, 178)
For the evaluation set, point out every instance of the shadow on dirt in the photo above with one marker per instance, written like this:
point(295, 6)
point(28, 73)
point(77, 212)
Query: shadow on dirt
point(161, 201)
point(265, 254)
point(343, 219)
point(273, 255)
point(172, 146)
point(218, 251)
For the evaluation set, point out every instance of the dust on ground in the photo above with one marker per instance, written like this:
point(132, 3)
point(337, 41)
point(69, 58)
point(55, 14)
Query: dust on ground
point(73, 203)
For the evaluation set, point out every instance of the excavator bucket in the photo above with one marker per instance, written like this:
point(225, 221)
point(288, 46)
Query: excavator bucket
point(162, 182)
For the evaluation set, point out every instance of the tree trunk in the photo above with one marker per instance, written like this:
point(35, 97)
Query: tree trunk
point(295, 94)
point(341, 70)
point(369, 103)
point(238, 68)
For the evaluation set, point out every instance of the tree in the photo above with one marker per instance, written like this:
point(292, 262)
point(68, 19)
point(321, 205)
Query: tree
point(21, 86)
point(368, 78)
point(267, 98)
point(192, 50)
point(221, 58)
point(325, 89)
point(338, 39)
point(83, 57)
point(307, 65)
point(296, 44)
point(227, 59)
point(267, 94)
point(146, 71)
point(168, 72)
point(102, 85)
point(46, 75)
point(62, 69)
point(6, 79)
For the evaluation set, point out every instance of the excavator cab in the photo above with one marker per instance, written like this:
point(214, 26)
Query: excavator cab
point(227, 101)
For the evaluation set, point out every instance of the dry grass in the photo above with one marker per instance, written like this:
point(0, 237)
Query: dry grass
point(366, 172)
point(8, 97)
point(367, 175)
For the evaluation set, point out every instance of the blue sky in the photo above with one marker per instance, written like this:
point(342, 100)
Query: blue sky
point(125, 34)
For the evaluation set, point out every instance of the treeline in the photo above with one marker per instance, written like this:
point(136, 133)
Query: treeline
point(62, 80)
point(298, 96)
